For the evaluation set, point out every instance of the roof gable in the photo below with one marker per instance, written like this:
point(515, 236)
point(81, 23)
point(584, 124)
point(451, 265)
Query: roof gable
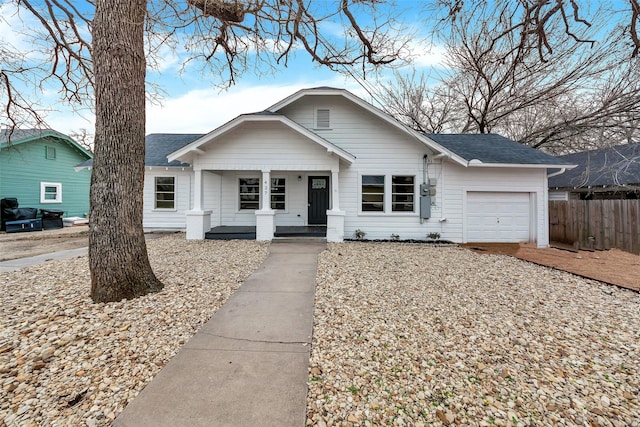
point(611, 166)
point(184, 153)
point(21, 136)
point(330, 91)
point(469, 150)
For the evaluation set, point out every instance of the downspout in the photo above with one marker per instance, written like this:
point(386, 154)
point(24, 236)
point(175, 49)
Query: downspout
point(560, 172)
point(425, 165)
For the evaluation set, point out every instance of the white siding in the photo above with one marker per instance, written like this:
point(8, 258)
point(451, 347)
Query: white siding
point(211, 184)
point(265, 146)
point(166, 218)
point(379, 148)
point(296, 198)
point(460, 180)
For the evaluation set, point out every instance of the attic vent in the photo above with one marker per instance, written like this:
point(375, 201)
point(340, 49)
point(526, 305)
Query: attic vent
point(50, 153)
point(322, 118)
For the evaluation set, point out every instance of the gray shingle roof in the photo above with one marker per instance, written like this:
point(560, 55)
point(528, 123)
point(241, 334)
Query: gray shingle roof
point(493, 148)
point(612, 166)
point(159, 146)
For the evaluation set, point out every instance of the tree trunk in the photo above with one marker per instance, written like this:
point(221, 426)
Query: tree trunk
point(117, 250)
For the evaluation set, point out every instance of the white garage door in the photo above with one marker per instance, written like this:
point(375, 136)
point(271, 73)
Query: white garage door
point(497, 217)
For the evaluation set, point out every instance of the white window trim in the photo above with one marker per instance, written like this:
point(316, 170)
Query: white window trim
point(57, 185)
point(388, 189)
point(175, 194)
point(287, 184)
point(237, 191)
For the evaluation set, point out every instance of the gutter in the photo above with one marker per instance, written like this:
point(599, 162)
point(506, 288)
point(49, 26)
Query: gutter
point(560, 172)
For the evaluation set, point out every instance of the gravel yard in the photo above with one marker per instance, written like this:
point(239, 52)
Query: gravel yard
point(67, 361)
point(413, 335)
point(404, 334)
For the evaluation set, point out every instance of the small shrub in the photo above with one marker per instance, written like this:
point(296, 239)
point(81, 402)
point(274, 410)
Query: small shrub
point(433, 236)
point(395, 237)
point(359, 234)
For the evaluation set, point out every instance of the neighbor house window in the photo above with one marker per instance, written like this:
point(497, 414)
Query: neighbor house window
point(402, 193)
point(373, 193)
point(50, 153)
point(50, 192)
point(249, 189)
point(323, 118)
point(278, 194)
point(165, 192)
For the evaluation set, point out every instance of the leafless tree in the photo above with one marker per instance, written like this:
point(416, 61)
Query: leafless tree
point(83, 137)
point(575, 97)
point(96, 51)
point(537, 19)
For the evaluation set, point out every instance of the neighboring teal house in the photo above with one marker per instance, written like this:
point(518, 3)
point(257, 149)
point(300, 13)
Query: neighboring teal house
point(37, 168)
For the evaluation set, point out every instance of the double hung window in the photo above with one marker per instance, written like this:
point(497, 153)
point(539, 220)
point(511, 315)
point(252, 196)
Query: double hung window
point(165, 192)
point(388, 193)
point(50, 192)
point(249, 193)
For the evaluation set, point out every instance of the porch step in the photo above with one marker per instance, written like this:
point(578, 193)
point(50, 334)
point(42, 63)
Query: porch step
point(299, 239)
point(300, 231)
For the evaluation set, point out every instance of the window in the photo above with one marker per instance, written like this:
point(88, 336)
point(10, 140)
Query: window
point(388, 193)
point(50, 153)
point(402, 193)
point(50, 192)
point(373, 193)
point(249, 193)
point(165, 192)
point(278, 194)
point(322, 118)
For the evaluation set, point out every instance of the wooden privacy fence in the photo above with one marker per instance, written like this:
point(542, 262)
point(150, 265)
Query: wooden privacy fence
point(596, 224)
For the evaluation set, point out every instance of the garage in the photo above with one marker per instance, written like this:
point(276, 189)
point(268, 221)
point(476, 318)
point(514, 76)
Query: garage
point(498, 217)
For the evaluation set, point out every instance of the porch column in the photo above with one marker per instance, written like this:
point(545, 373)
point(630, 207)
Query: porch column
point(265, 217)
point(335, 191)
point(197, 190)
point(335, 217)
point(266, 190)
point(198, 220)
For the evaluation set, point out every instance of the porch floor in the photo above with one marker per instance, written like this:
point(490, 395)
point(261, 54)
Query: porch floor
point(229, 232)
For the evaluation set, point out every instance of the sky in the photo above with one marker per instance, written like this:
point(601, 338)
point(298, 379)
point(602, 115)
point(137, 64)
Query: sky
point(193, 102)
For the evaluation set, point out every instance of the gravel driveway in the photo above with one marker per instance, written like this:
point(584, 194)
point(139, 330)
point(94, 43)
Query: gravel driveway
point(413, 335)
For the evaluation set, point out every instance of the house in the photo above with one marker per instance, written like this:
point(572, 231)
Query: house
point(323, 157)
point(605, 173)
point(37, 168)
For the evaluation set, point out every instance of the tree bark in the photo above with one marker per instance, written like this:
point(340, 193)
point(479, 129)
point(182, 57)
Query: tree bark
point(118, 259)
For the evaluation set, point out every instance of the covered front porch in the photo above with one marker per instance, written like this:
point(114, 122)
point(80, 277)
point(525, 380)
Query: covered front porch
point(267, 204)
point(265, 172)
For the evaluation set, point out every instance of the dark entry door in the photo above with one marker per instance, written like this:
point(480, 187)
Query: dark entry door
point(318, 199)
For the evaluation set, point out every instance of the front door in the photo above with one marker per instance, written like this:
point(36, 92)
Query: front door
point(318, 200)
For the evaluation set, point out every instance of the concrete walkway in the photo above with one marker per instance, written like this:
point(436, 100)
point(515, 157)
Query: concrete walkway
point(15, 264)
point(248, 366)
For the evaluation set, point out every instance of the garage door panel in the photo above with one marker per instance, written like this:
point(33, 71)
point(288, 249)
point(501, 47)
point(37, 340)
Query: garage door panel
point(498, 217)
